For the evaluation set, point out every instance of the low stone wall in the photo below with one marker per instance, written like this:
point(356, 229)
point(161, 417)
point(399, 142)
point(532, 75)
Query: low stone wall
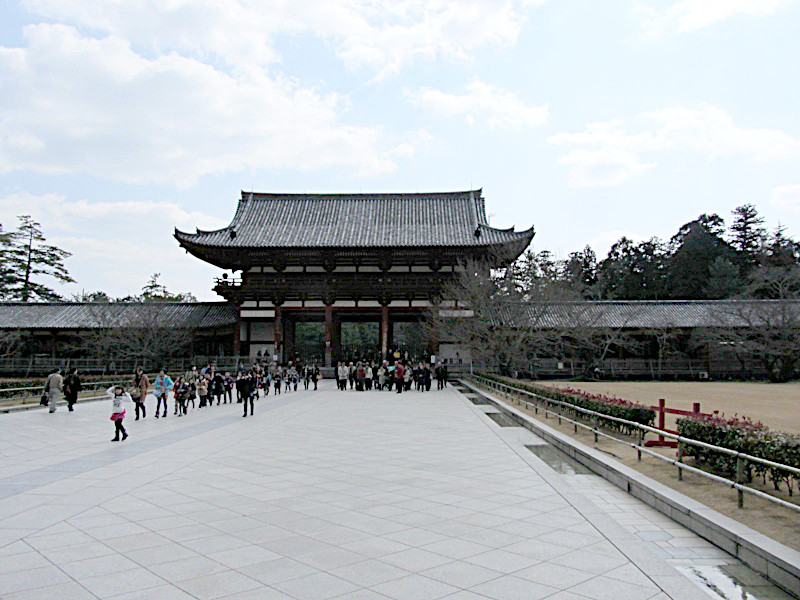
point(778, 563)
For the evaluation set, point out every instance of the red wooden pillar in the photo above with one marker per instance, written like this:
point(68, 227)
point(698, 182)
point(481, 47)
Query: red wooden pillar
point(328, 336)
point(336, 339)
point(278, 332)
point(384, 332)
point(237, 331)
point(289, 338)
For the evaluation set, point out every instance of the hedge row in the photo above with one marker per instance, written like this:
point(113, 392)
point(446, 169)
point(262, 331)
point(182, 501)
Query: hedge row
point(606, 405)
point(742, 435)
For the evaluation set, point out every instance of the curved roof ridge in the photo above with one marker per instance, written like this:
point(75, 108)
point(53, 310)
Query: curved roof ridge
point(364, 220)
point(349, 195)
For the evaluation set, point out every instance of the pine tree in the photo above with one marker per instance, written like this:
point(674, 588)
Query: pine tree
point(748, 235)
point(724, 280)
point(26, 256)
point(155, 291)
point(7, 278)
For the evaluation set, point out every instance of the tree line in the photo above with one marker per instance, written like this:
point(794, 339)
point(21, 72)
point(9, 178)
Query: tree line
point(704, 260)
point(533, 309)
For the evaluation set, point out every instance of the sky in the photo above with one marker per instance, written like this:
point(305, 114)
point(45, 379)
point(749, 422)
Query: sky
point(589, 120)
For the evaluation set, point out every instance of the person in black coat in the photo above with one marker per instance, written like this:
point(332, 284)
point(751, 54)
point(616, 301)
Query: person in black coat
point(218, 383)
point(241, 387)
point(251, 389)
point(72, 386)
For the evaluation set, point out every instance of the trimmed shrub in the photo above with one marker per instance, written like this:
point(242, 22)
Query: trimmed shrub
point(741, 434)
point(606, 405)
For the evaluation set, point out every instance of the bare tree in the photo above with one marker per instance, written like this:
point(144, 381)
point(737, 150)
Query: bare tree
point(482, 311)
point(595, 336)
point(10, 342)
point(767, 331)
point(142, 334)
point(511, 326)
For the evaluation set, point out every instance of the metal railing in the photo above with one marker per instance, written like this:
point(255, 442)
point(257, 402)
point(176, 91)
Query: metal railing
point(741, 458)
point(21, 393)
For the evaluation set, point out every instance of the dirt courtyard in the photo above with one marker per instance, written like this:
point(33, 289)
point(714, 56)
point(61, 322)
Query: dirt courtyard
point(777, 405)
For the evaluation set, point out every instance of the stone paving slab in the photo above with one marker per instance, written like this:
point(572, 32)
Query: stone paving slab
point(320, 495)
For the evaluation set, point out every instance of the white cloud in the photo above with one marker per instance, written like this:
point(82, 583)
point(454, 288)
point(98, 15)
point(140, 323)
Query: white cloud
point(481, 103)
point(380, 35)
point(116, 246)
point(606, 154)
point(690, 15)
point(787, 197)
point(74, 104)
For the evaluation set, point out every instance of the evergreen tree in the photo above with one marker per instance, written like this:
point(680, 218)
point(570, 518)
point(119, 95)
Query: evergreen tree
point(781, 251)
point(748, 235)
point(155, 291)
point(7, 278)
point(580, 271)
point(633, 271)
point(724, 280)
point(26, 256)
point(694, 249)
point(85, 296)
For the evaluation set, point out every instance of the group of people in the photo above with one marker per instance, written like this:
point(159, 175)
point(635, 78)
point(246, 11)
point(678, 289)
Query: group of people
point(57, 384)
point(209, 384)
point(364, 376)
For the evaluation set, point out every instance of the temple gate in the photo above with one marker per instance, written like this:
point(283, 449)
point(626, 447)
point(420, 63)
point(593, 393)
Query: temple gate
point(334, 258)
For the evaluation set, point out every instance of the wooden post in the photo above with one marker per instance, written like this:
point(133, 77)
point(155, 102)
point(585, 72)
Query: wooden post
point(661, 405)
point(278, 334)
point(740, 479)
point(640, 441)
point(336, 338)
point(289, 349)
point(328, 336)
point(237, 332)
point(384, 332)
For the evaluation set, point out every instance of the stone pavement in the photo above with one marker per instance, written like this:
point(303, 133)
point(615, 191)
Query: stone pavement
point(321, 495)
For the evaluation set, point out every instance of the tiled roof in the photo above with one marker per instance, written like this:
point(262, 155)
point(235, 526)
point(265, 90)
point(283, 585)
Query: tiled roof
point(657, 314)
point(612, 314)
point(358, 220)
point(74, 315)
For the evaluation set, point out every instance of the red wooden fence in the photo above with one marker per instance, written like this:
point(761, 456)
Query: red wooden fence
point(662, 410)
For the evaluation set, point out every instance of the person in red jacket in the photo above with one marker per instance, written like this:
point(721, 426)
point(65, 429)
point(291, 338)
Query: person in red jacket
point(399, 374)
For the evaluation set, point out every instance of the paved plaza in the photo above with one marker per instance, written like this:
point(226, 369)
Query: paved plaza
point(320, 495)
